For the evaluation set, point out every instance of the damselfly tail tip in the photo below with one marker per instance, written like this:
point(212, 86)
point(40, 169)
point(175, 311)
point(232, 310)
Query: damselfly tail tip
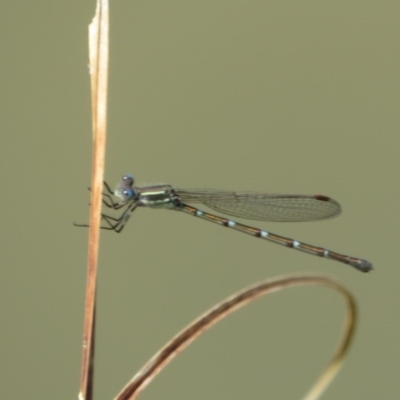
point(364, 266)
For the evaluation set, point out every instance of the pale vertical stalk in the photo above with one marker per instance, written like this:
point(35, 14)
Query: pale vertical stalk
point(98, 61)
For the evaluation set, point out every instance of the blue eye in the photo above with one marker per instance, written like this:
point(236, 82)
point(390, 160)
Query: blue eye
point(128, 193)
point(128, 180)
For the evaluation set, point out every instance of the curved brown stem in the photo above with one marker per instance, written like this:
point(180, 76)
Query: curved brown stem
point(231, 304)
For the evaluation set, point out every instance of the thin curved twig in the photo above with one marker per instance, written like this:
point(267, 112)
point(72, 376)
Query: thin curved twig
point(148, 372)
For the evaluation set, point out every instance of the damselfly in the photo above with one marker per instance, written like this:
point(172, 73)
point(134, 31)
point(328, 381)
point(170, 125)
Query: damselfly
point(249, 205)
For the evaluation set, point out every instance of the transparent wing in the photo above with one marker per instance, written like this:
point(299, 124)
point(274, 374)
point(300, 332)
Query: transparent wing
point(264, 207)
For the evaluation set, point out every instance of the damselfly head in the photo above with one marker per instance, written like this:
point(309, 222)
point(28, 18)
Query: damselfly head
point(124, 190)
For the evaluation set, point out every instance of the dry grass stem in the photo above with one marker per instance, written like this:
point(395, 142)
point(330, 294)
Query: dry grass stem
point(98, 59)
point(211, 317)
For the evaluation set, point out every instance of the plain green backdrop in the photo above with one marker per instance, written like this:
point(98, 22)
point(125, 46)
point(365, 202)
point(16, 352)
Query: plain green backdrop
point(276, 96)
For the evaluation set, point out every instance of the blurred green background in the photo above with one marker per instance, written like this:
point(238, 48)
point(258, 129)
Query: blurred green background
point(275, 96)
